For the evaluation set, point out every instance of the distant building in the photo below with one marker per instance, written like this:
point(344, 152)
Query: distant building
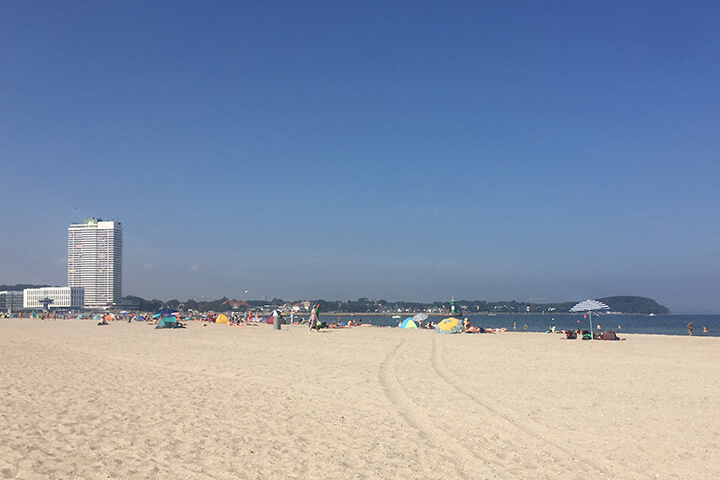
point(95, 261)
point(11, 301)
point(59, 297)
point(235, 304)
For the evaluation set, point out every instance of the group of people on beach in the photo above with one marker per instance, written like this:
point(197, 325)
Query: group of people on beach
point(584, 334)
point(314, 322)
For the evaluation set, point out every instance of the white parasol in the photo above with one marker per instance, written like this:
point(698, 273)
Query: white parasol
point(420, 317)
point(589, 306)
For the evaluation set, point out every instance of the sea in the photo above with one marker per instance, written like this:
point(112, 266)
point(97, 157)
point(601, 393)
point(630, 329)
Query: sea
point(619, 323)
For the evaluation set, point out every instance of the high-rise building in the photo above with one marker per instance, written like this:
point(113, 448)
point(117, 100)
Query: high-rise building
point(95, 261)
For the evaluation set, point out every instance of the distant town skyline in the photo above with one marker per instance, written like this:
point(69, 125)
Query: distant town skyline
point(403, 151)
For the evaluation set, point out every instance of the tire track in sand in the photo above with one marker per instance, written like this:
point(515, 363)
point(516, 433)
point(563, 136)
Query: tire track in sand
point(505, 420)
point(464, 461)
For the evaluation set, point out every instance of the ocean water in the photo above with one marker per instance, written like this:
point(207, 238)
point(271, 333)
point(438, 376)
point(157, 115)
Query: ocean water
point(645, 324)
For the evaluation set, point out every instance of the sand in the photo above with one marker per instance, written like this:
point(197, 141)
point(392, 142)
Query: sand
point(128, 401)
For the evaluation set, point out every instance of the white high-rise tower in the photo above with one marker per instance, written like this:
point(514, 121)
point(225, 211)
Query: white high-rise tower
point(95, 261)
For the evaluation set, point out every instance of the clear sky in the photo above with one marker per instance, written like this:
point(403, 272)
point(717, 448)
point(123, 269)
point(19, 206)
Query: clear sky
point(490, 150)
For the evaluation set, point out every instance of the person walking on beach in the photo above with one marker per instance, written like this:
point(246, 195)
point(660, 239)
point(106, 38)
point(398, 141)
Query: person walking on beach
point(314, 322)
point(690, 327)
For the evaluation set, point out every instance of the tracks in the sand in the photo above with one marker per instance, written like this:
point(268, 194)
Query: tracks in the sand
point(465, 464)
point(483, 439)
point(503, 420)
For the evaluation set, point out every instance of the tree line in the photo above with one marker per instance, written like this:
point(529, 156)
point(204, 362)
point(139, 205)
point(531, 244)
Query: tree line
point(623, 304)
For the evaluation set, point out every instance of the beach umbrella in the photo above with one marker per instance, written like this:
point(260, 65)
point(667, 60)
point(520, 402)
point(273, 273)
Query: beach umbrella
point(448, 325)
point(164, 312)
point(589, 306)
point(420, 317)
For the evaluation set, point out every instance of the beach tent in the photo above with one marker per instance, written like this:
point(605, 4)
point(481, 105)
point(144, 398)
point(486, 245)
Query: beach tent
point(271, 320)
point(408, 323)
point(222, 319)
point(167, 322)
point(140, 318)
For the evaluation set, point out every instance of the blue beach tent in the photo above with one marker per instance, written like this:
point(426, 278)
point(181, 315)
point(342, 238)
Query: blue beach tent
point(167, 322)
point(408, 323)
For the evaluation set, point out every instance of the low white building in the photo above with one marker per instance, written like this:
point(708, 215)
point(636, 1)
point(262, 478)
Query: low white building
point(62, 297)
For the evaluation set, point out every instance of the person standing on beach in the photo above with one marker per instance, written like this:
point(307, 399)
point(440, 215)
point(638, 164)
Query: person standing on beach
point(690, 327)
point(314, 320)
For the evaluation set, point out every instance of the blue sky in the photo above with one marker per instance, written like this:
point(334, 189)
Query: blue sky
point(396, 150)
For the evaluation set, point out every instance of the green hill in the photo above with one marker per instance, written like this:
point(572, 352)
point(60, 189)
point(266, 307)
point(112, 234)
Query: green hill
point(640, 305)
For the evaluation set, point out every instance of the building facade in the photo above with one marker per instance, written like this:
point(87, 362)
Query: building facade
point(11, 301)
point(95, 261)
point(62, 297)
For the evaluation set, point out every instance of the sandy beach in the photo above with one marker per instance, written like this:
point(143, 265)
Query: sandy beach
point(129, 401)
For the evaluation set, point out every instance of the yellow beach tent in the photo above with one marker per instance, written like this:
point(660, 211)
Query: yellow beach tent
point(221, 319)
